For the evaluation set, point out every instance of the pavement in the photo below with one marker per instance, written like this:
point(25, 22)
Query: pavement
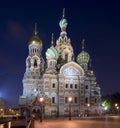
point(87, 122)
point(84, 122)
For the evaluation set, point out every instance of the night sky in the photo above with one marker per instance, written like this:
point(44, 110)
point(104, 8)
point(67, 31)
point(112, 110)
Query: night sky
point(96, 21)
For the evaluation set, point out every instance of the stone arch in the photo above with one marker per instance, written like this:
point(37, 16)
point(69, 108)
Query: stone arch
point(36, 61)
point(71, 69)
point(36, 112)
point(67, 54)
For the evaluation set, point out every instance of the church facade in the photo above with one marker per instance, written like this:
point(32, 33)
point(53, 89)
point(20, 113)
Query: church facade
point(63, 76)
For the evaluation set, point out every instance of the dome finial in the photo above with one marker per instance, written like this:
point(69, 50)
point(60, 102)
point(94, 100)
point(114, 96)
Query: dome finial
point(83, 44)
point(63, 22)
point(52, 39)
point(63, 16)
point(35, 31)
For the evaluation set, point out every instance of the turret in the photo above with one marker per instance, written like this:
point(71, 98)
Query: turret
point(83, 58)
point(35, 61)
point(51, 56)
point(63, 43)
point(34, 67)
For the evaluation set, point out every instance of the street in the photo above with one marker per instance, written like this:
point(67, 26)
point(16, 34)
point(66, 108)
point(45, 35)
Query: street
point(96, 122)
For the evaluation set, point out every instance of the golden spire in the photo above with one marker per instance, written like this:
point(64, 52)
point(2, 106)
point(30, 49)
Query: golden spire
point(83, 44)
point(35, 31)
point(63, 16)
point(52, 40)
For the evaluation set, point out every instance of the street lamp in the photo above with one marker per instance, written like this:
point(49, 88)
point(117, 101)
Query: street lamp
point(41, 104)
point(116, 105)
point(70, 100)
point(117, 108)
point(88, 109)
point(1, 112)
point(88, 105)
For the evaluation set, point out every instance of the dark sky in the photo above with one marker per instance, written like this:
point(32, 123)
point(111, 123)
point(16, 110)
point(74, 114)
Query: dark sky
point(96, 21)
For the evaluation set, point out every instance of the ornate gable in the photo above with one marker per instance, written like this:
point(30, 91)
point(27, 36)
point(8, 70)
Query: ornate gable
point(71, 69)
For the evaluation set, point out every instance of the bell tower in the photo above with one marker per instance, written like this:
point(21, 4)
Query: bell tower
point(32, 80)
point(63, 44)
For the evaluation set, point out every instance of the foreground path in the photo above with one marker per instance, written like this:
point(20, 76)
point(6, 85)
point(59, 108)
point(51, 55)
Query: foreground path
point(107, 122)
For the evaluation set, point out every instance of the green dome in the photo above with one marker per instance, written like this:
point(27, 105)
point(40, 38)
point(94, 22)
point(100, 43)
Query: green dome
point(52, 53)
point(83, 57)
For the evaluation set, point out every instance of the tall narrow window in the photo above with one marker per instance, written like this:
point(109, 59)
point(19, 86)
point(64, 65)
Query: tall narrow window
point(71, 85)
point(95, 100)
point(75, 86)
point(53, 85)
point(86, 100)
point(35, 63)
point(76, 99)
point(53, 100)
point(66, 57)
point(66, 86)
point(66, 99)
point(86, 86)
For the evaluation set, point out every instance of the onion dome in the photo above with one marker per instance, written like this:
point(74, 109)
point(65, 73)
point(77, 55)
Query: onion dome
point(63, 22)
point(83, 56)
point(52, 52)
point(35, 39)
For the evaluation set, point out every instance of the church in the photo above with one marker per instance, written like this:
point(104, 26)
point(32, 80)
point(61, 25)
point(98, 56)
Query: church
point(64, 82)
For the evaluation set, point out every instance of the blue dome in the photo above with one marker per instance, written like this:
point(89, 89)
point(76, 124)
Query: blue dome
point(63, 24)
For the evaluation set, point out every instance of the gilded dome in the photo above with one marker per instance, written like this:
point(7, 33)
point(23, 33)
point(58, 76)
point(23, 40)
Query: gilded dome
point(52, 53)
point(35, 40)
point(83, 57)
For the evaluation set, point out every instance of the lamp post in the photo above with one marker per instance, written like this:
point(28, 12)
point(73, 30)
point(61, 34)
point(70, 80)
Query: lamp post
point(70, 100)
point(41, 104)
point(1, 112)
point(88, 109)
point(117, 108)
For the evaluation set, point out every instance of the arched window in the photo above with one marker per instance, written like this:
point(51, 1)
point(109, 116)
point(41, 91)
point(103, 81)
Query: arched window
point(53, 85)
point(76, 99)
point(35, 50)
point(35, 63)
point(53, 100)
point(71, 85)
point(66, 86)
point(95, 100)
point(66, 99)
point(86, 100)
point(86, 87)
point(66, 57)
point(75, 86)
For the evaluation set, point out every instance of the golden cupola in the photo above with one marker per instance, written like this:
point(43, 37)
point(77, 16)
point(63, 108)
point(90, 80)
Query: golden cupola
point(35, 40)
